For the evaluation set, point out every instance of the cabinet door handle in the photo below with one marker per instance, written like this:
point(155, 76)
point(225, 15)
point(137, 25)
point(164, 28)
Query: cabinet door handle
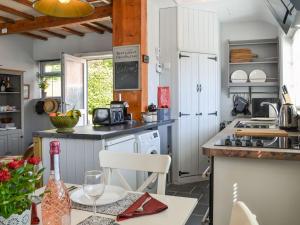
point(198, 88)
point(183, 173)
point(198, 114)
point(183, 114)
point(214, 113)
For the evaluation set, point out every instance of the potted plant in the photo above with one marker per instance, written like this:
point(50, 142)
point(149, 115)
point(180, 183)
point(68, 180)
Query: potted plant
point(43, 84)
point(18, 179)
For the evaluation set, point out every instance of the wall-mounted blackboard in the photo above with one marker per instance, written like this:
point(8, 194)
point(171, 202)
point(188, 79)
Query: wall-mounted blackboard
point(126, 67)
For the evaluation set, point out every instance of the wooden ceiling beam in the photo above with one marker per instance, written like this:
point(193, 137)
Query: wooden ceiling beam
point(72, 31)
point(93, 28)
point(53, 33)
point(46, 22)
point(104, 27)
point(6, 20)
point(36, 36)
point(24, 2)
point(16, 12)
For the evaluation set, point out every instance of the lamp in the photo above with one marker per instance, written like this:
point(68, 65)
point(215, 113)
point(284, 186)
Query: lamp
point(64, 8)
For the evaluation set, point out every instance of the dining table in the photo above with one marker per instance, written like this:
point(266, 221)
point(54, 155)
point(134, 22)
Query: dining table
point(178, 212)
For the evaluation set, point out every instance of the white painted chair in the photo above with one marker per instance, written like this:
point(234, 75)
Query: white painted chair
point(241, 215)
point(158, 165)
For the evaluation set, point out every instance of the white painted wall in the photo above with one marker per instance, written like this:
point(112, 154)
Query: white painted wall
point(17, 53)
point(52, 49)
point(239, 31)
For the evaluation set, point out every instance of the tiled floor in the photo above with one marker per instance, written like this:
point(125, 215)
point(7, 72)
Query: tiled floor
point(199, 190)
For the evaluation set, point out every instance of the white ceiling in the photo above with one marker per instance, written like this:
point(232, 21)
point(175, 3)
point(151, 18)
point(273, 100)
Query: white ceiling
point(228, 10)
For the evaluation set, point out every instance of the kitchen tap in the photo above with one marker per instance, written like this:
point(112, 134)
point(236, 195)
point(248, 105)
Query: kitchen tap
point(273, 107)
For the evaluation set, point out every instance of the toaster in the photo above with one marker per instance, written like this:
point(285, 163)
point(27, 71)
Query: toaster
point(108, 116)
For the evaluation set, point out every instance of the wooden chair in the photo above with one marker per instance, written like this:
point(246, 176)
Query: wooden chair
point(158, 165)
point(241, 215)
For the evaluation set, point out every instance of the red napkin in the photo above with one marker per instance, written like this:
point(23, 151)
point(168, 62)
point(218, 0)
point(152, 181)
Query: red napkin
point(153, 206)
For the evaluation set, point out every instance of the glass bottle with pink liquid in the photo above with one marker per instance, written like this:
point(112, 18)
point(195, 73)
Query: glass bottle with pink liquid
point(56, 204)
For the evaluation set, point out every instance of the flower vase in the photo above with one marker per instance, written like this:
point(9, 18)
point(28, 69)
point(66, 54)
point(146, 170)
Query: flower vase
point(44, 94)
point(23, 219)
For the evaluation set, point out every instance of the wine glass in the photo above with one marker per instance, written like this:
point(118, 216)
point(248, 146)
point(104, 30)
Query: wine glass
point(94, 185)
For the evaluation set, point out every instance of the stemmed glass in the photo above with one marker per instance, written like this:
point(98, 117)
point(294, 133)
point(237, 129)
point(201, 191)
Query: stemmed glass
point(94, 185)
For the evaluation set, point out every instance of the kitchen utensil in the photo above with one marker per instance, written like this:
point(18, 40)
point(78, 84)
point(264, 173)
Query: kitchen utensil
point(257, 76)
point(141, 208)
point(260, 132)
point(288, 117)
point(240, 105)
point(111, 194)
point(239, 76)
point(286, 95)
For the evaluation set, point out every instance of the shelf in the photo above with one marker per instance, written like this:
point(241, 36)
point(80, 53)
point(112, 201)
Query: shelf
point(249, 84)
point(17, 111)
point(254, 42)
point(254, 63)
point(14, 92)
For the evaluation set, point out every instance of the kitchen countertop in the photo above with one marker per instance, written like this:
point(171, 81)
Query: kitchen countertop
point(102, 132)
point(210, 149)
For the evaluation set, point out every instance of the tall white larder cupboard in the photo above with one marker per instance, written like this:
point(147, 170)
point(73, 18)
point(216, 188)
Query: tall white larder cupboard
point(189, 48)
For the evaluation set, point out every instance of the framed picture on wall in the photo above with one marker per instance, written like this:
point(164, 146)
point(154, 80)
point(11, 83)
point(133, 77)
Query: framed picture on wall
point(26, 91)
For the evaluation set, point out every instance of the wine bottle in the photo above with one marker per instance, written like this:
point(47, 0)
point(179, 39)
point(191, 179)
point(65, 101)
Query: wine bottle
point(56, 203)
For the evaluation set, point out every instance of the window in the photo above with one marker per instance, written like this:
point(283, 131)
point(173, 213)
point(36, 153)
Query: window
point(50, 71)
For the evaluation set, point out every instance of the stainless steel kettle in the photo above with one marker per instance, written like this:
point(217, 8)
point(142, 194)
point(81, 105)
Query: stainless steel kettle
point(288, 118)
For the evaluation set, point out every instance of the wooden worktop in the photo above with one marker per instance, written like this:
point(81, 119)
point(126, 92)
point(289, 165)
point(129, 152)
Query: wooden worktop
point(210, 149)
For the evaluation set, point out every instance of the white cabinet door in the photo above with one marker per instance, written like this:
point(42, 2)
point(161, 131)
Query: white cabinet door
point(188, 105)
point(197, 30)
point(3, 145)
point(13, 144)
point(208, 103)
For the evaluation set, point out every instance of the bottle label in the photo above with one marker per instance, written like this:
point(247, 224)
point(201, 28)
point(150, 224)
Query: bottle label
point(56, 167)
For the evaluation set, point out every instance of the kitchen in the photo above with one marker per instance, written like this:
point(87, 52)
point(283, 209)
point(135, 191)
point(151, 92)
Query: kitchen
point(181, 71)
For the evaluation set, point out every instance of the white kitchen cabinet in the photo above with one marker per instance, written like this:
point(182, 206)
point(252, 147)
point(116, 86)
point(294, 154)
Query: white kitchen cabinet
point(189, 55)
point(197, 30)
point(11, 142)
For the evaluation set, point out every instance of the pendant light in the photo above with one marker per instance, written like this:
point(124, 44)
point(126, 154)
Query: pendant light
point(64, 8)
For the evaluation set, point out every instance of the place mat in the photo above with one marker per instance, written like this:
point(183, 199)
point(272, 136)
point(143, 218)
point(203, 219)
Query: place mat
point(99, 220)
point(112, 209)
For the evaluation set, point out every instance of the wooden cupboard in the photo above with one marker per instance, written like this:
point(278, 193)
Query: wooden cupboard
point(189, 57)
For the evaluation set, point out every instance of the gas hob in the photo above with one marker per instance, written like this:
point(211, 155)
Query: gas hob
point(260, 142)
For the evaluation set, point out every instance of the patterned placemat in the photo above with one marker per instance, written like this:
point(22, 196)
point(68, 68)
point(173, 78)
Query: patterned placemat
point(96, 220)
point(113, 209)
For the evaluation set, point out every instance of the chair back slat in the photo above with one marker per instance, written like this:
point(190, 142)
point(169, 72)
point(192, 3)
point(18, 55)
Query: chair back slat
point(158, 165)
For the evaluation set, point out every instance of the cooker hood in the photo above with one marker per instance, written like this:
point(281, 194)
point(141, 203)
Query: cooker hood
point(285, 12)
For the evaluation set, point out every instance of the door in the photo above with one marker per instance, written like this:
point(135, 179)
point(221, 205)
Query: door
point(188, 120)
point(74, 80)
point(208, 103)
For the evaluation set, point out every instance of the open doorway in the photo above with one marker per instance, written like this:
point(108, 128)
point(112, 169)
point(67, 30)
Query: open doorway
point(100, 83)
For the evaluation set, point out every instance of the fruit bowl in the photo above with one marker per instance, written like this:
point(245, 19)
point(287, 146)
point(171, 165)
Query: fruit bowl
point(64, 124)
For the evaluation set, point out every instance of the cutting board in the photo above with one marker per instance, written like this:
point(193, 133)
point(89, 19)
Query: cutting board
point(261, 132)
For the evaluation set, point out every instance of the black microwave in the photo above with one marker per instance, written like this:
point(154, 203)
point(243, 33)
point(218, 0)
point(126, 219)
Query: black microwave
point(108, 116)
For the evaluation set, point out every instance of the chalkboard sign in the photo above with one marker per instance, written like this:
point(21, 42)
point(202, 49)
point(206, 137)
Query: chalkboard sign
point(126, 67)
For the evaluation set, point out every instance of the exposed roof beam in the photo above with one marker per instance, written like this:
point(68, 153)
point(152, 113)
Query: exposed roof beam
point(46, 22)
point(93, 28)
point(40, 37)
point(15, 12)
point(72, 31)
point(104, 27)
point(24, 2)
point(53, 33)
point(6, 19)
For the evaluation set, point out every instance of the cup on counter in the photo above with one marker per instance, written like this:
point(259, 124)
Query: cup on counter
point(147, 118)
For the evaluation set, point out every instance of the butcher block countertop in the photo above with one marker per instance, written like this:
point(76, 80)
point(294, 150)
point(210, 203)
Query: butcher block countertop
point(210, 149)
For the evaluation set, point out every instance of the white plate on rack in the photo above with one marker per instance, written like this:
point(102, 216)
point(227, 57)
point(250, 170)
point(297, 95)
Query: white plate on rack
point(258, 76)
point(239, 76)
point(111, 194)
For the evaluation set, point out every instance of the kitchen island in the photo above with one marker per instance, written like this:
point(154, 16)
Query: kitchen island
point(80, 149)
point(266, 178)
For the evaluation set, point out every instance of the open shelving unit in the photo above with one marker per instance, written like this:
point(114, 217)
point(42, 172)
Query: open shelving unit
point(267, 60)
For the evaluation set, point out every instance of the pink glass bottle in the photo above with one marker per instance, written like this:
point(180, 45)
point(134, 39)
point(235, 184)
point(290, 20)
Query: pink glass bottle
point(56, 203)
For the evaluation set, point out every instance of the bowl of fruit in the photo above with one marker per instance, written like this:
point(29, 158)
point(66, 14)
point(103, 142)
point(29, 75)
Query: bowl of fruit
point(65, 122)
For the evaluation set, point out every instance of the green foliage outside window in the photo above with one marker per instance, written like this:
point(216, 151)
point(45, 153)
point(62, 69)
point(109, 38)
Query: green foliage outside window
point(100, 83)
